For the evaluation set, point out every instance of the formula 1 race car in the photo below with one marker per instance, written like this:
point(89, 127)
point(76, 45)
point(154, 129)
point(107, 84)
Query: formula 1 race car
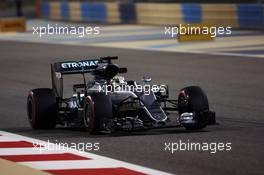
point(109, 103)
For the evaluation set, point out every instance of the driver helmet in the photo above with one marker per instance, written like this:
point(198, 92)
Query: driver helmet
point(118, 79)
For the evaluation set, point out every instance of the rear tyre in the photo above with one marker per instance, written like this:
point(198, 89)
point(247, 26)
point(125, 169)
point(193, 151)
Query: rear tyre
point(42, 108)
point(193, 99)
point(98, 108)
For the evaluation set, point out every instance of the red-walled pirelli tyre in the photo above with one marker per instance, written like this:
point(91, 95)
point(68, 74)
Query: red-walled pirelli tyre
point(42, 108)
point(193, 99)
point(98, 107)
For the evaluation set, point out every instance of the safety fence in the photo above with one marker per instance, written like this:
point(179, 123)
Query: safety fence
point(235, 15)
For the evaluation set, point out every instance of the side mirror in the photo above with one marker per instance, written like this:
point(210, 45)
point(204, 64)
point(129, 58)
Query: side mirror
point(122, 70)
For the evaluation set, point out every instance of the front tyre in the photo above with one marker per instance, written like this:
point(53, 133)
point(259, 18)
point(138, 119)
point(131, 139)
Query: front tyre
point(98, 108)
point(193, 100)
point(42, 108)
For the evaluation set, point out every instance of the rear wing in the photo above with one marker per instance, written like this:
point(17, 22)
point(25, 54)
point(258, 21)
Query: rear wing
point(79, 67)
point(74, 67)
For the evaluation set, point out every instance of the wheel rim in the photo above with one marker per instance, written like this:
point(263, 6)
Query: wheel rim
point(88, 114)
point(183, 103)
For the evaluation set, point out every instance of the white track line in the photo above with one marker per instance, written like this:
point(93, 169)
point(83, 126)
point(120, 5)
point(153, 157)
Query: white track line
point(72, 164)
point(96, 162)
point(26, 151)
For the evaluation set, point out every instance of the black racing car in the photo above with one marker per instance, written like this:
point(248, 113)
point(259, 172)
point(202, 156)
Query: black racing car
point(109, 103)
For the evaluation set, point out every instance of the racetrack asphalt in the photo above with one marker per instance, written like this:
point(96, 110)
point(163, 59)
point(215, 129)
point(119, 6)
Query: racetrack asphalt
point(234, 87)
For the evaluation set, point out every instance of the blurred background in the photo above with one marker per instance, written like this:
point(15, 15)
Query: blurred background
point(140, 23)
point(235, 13)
